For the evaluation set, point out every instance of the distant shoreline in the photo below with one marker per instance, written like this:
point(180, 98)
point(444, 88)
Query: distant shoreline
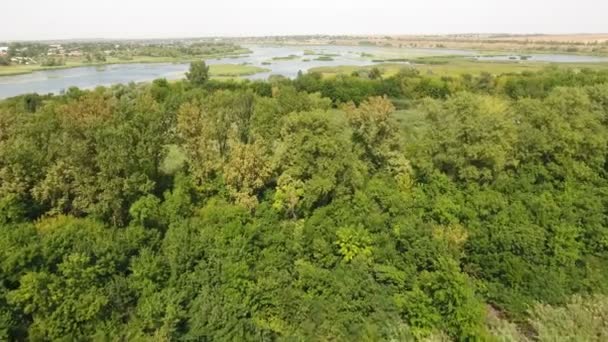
point(135, 60)
point(482, 50)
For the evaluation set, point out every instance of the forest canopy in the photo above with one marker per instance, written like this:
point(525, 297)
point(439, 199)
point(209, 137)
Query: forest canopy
point(410, 207)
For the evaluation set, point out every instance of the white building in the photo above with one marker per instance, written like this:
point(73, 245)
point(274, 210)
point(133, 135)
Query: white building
point(55, 49)
point(3, 50)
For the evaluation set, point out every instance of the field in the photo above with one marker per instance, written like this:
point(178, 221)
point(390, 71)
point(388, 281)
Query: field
point(233, 70)
point(453, 67)
point(285, 58)
point(594, 44)
point(562, 38)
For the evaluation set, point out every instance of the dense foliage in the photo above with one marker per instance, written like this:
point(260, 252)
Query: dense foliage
point(308, 209)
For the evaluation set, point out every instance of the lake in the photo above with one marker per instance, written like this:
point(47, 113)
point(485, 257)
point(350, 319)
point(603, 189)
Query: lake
point(55, 81)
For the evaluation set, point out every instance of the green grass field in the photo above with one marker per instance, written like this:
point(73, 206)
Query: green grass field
point(453, 67)
point(15, 69)
point(285, 58)
point(234, 70)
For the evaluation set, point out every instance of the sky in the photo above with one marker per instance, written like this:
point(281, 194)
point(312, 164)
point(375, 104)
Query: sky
point(65, 19)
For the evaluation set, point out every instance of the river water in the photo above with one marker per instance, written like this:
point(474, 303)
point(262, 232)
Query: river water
point(56, 81)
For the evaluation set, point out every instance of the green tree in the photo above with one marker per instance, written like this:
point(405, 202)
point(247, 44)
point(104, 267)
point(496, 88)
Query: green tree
point(472, 137)
point(583, 319)
point(316, 150)
point(246, 172)
point(198, 74)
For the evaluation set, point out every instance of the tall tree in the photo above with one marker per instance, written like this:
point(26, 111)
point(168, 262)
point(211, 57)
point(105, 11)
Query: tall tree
point(198, 74)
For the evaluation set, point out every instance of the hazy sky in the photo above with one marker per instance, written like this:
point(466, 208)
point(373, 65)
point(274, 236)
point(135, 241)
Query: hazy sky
point(54, 19)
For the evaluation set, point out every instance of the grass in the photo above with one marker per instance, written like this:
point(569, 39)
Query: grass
point(383, 53)
point(562, 44)
point(453, 66)
point(462, 66)
point(332, 71)
point(234, 70)
point(285, 58)
point(18, 69)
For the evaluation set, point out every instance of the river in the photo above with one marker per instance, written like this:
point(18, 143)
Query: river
point(56, 81)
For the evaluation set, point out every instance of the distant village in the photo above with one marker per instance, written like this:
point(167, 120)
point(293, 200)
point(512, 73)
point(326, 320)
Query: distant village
point(57, 53)
point(35, 53)
point(23, 55)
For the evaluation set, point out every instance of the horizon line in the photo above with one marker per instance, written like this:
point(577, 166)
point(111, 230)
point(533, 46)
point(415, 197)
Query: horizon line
point(303, 35)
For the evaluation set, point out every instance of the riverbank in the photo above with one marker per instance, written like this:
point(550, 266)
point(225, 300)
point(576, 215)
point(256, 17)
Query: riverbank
point(56, 81)
point(19, 69)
